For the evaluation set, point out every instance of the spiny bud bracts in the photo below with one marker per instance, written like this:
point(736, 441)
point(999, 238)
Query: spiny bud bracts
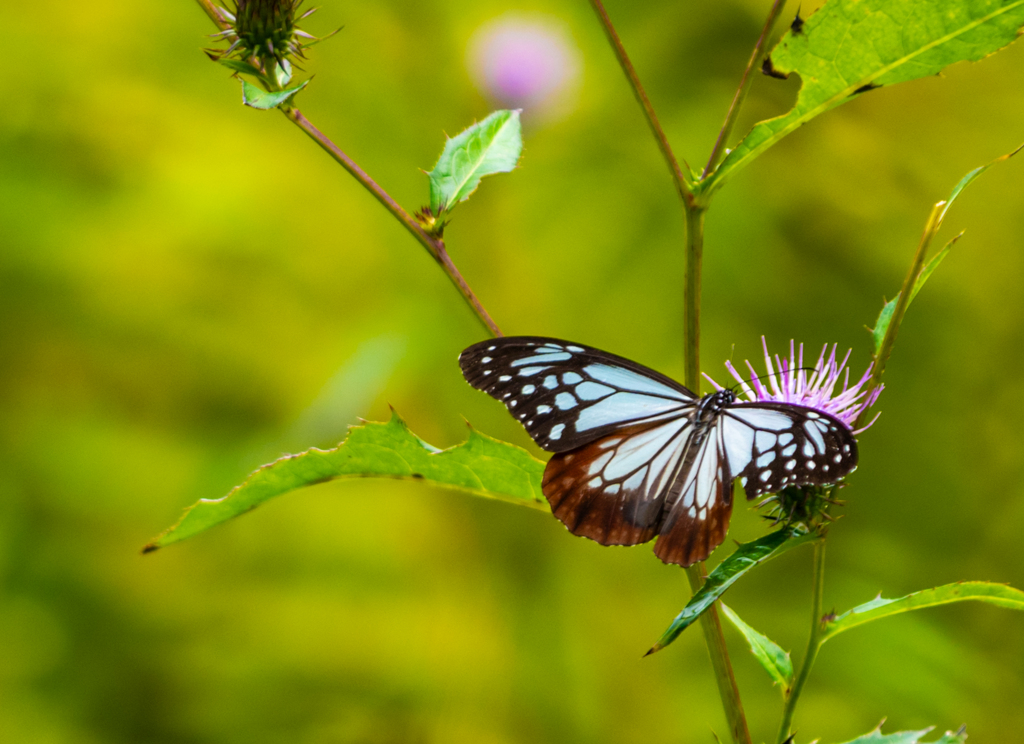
point(265, 30)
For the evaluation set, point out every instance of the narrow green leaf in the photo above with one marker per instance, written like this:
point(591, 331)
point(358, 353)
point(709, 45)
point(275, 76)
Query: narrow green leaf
point(263, 100)
point(882, 324)
point(885, 316)
point(850, 47)
point(747, 556)
point(1000, 595)
point(909, 737)
point(490, 146)
point(481, 466)
point(768, 653)
point(240, 66)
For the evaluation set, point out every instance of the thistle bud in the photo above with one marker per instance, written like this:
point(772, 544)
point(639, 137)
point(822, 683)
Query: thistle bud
point(265, 30)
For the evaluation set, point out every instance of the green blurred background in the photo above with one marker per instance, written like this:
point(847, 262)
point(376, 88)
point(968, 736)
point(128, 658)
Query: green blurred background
point(189, 288)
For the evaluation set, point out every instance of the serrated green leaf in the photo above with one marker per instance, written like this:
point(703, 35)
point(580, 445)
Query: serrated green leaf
point(1000, 595)
point(481, 466)
point(263, 100)
point(728, 572)
point(768, 653)
point(849, 47)
point(240, 66)
point(909, 737)
point(490, 146)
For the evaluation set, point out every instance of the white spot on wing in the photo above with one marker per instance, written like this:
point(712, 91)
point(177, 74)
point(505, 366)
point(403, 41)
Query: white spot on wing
point(571, 378)
point(550, 382)
point(565, 401)
point(765, 440)
point(556, 431)
point(528, 389)
point(543, 409)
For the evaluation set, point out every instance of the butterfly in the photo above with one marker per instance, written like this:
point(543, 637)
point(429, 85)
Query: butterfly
point(638, 456)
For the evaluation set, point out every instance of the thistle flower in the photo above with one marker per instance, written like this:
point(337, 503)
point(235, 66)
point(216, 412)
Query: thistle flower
point(265, 30)
point(790, 381)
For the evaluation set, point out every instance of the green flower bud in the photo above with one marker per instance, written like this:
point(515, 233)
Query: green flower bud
point(265, 30)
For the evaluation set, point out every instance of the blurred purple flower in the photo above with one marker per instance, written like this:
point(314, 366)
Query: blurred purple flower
point(523, 62)
point(788, 381)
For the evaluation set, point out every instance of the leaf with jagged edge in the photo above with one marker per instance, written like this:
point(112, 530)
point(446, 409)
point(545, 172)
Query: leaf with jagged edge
point(1000, 595)
point(483, 149)
point(768, 653)
point(849, 47)
point(910, 737)
point(481, 466)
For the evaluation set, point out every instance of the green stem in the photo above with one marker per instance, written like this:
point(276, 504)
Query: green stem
point(718, 152)
point(691, 297)
point(434, 245)
point(889, 340)
point(813, 642)
point(711, 625)
point(683, 180)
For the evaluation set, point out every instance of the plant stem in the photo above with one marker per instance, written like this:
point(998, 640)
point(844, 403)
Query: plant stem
point(691, 297)
point(813, 641)
point(718, 152)
point(683, 180)
point(711, 624)
point(435, 246)
point(885, 350)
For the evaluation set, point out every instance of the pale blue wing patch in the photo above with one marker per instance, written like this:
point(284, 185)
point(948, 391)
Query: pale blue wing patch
point(586, 393)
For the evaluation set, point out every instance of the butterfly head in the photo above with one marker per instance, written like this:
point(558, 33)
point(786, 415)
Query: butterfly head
point(719, 399)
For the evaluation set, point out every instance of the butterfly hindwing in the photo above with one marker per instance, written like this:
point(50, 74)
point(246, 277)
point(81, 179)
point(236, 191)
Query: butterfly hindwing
point(699, 504)
point(567, 395)
point(613, 490)
point(774, 445)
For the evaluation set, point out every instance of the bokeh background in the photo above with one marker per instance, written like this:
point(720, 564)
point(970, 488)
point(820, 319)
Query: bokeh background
point(189, 288)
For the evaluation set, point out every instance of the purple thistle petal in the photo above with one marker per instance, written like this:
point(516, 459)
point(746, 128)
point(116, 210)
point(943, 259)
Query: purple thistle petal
point(788, 382)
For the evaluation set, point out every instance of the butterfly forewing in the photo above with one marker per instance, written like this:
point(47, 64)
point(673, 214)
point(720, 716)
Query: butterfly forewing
point(775, 445)
point(567, 395)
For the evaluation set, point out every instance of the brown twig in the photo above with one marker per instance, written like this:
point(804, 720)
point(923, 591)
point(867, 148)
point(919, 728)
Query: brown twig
point(683, 181)
point(435, 245)
point(718, 151)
